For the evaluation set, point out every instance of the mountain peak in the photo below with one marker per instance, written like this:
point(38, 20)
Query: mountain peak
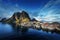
point(19, 17)
point(33, 19)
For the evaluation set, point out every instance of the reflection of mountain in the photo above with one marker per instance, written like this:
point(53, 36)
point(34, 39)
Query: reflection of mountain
point(19, 17)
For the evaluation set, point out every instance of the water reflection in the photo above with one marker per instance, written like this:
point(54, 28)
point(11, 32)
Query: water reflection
point(5, 30)
point(12, 31)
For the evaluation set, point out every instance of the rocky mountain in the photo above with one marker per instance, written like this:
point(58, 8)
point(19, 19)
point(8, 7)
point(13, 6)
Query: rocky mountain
point(3, 19)
point(33, 19)
point(19, 17)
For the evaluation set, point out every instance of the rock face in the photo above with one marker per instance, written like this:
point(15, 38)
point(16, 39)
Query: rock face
point(19, 17)
point(3, 19)
point(0, 18)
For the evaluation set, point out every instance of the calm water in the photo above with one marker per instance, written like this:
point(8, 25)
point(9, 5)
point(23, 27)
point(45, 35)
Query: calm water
point(8, 31)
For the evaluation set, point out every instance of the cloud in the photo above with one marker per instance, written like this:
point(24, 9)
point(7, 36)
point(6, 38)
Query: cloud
point(7, 9)
point(50, 12)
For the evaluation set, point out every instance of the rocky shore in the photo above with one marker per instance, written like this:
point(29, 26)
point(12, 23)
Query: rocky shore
point(39, 25)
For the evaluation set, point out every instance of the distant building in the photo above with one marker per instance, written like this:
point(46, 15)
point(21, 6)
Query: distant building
point(45, 25)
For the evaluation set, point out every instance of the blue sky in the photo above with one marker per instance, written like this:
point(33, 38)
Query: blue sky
point(46, 10)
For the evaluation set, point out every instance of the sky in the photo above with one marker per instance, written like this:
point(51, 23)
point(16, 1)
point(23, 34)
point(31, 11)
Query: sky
point(42, 10)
